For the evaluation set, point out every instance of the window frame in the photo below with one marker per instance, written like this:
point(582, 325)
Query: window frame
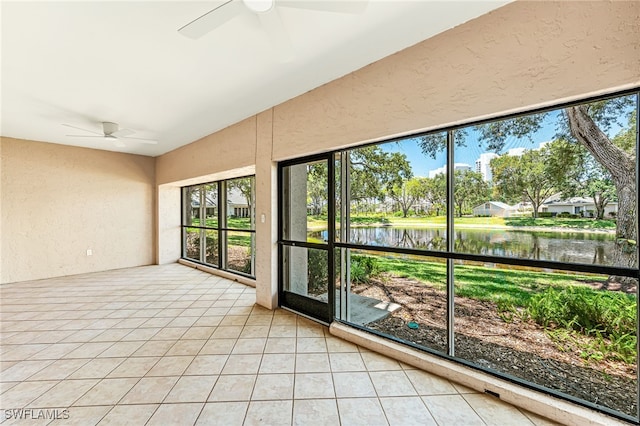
point(451, 256)
point(222, 229)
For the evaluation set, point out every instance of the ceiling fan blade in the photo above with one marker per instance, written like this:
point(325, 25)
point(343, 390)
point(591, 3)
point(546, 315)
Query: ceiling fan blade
point(143, 140)
point(119, 143)
point(272, 24)
point(338, 6)
point(85, 136)
point(212, 19)
point(80, 128)
point(122, 133)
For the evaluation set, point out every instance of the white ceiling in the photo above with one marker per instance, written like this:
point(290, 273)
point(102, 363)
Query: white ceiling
point(81, 63)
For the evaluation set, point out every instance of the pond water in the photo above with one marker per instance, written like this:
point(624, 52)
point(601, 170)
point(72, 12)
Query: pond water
point(574, 247)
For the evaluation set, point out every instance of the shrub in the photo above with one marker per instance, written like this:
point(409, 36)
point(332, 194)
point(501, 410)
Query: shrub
point(598, 314)
point(544, 214)
point(317, 270)
point(192, 245)
point(246, 267)
point(585, 310)
point(567, 215)
point(363, 268)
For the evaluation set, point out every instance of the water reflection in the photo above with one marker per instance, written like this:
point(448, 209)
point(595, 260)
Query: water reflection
point(572, 247)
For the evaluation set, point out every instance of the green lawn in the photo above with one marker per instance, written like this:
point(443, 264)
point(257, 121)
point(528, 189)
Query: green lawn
point(514, 287)
point(564, 304)
point(239, 222)
point(232, 222)
point(318, 222)
point(242, 239)
point(561, 223)
point(233, 238)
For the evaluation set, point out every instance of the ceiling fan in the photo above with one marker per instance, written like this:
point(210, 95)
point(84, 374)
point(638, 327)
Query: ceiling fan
point(112, 132)
point(267, 12)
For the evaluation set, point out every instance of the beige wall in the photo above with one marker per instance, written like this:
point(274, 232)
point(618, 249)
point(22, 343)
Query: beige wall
point(266, 215)
point(1, 220)
point(226, 154)
point(169, 231)
point(523, 55)
point(58, 201)
point(518, 56)
point(229, 149)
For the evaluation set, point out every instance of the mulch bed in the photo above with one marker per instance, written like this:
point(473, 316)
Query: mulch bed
point(520, 349)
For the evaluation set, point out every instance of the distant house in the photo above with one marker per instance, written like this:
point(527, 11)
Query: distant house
point(211, 204)
point(523, 208)
point(494, 208)
point(576, 205)
point(236, 204)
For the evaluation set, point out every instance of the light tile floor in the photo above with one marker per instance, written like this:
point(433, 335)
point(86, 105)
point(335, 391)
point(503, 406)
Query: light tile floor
point(170, 345)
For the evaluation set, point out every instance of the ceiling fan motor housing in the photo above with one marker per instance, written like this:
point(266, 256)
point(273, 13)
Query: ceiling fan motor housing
point(109, 128)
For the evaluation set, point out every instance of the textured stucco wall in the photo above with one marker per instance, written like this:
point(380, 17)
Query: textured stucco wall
point(266, 215)
point(226, 154)
point(58, 201)
point(168, 216)
point(521, 55)
point(229, 149)
point(1, 198)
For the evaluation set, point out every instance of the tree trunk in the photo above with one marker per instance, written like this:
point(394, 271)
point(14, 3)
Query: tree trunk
point(623, 173)
point(534, 205)
point(600, 203)
point(535, 210)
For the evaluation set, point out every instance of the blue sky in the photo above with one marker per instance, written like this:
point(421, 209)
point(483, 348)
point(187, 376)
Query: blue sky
point(422, 164)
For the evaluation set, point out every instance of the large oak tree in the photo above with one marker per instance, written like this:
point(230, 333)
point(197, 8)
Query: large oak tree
point(586, 124)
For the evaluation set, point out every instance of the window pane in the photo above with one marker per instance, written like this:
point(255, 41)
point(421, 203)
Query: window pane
point(240, 251)
point(398, 193)
point(306, 197)
point(191, 200)
point(554, 186)
point(527, 187)
point(561, 330)
point(306, 272)
point(212, 257)
point(240, 209)
point(211, 199)
point(399, 295)
point(202, 238)
point(193, 238)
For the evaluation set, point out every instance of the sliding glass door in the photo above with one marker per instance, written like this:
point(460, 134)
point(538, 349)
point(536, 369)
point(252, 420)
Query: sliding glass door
point(508, 244)
point(306, 237)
